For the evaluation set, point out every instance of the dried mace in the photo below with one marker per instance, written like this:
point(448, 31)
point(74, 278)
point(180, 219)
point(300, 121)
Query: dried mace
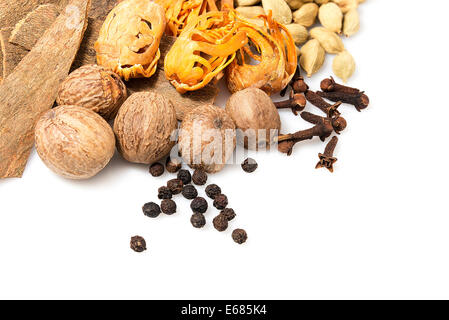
point(326, 159)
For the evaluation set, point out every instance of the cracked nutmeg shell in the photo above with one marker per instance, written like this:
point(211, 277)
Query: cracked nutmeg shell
point(74, 142)
point(144, 126)
point(129, 39)
point(207, 138)
point(95, 88)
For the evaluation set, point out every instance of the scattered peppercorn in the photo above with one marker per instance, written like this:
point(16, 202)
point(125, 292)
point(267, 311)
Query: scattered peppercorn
point(228, 213)
point(173, 165)
point(138, 244)
point(213, 190)
point(239, 236)
point(249, 165)
point(175, 186)
point(198, 220)
point(199, 177)
point(199, 205)
point(151, 209)
point(189, 192)
point(220, 202)
point(164, 193)
point(220, 222)
point(168, 206)
point(184, 176)
point(156, 169)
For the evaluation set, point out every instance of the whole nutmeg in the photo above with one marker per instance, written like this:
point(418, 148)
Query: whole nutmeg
point(74, 142)
point(255, 114)
point(144, 126)
point(95, 88)
point(207, 138)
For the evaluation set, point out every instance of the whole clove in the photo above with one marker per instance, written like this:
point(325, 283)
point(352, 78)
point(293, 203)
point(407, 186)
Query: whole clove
point(189, 192)
point(173, 165)
point(138, 244)
point(198, 220)
point(213, 190)
point(249, 165)
point(326, 159)
point(157, 169)
point(184, 176)
point(175, 186)
point(221, 202)
point(220, 222)
point(151, 209)
point(300, 86)
point(323, 128)
point(296, 102)
point(358, 100)
point(239, 236)
point(164, 193)
point(330, 110)
point(199, 177)
point(329, 85)
point(199, 205)
point(168, 206)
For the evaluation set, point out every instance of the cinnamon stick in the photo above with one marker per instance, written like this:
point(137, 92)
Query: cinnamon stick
point(31, 89)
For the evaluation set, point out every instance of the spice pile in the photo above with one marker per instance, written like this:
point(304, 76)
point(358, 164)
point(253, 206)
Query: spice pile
point(145, 65)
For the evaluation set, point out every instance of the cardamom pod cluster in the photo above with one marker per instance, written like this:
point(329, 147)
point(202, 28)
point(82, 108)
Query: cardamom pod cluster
point(337, 18)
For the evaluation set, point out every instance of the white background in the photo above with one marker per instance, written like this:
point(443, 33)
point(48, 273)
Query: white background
point(376, 228)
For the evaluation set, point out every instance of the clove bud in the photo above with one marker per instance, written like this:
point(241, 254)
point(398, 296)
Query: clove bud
point(329, 85)
point(326, 159)
point(296, 102)
point(330, 110)
point(359, 100)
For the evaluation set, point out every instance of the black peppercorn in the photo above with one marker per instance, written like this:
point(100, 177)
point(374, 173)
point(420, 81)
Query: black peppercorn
point(198, 220)
point(164, 193)
point(175, 186)
point(239, 236)
point(249, 165)
point(168, 206)
point(199, 177)
point(156, 169)
point(228, 213)
point(189, 192)
point(220, 202)
point(213, 190)
point(173, 165)
point(151, 209)
point(220, 222)
point(184, 176)
point(199, 205)
point(138, 244)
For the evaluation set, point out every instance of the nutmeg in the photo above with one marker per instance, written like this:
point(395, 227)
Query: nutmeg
point(207, 138)
point(74, 142)
point(144, 126)
point(255, 114)
point(95, 88)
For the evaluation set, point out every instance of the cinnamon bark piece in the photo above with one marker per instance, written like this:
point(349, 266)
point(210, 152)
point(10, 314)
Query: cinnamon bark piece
point(31, 89)
point(29, 30)
point(11, 54)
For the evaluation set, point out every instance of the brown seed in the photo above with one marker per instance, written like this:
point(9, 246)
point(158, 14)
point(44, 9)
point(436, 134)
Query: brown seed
point(173, 165)
point(220, 202)
point(168, 206)
point(157, 169)
point(138, 244)
point(199, 177)
point(239, 236)
point(164, 193)
point(213, 190)
point(151, 209)
point(249, 165)
point(198, 220)
point(175, 186)
point(228, 213)
point(220, 222)
point(189, 192)
point(199, 205)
